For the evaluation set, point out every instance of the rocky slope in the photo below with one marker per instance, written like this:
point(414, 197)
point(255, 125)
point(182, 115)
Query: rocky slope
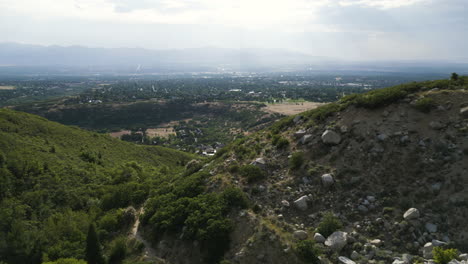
point(383, 175)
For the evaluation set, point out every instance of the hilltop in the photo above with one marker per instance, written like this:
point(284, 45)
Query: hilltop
point(56, 180)
point(373, 178)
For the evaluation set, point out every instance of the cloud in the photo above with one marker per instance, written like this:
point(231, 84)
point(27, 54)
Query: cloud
point(362, 29)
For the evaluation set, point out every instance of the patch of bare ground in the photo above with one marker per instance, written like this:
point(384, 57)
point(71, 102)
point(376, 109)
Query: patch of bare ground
point(291, 108)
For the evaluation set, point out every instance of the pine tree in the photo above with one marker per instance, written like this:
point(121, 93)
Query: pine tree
point(93, 247)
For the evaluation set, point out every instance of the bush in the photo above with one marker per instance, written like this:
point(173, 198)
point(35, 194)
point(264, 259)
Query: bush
point(329, 224)
point(425, 104)
point(234, 197)
point(296, 161)
point(66, 261)
point(251, 172)
point(118, 251)
point(307, 251)
point(282, 143)
point(444, 256)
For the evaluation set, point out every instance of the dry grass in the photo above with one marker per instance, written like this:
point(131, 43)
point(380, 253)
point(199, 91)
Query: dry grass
point(164, 132)
point(291, 108)
point(7, 87)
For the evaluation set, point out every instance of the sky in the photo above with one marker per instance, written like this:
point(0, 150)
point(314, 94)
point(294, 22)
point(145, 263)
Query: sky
point(345, 29)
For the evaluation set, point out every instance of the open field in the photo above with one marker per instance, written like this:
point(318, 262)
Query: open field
point(120, 133)
point(7, 87)
point(164, 132)
point(291, 108)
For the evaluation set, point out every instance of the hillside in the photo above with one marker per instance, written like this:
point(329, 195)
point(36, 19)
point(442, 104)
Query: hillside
point(56, 180)
point(377, 178)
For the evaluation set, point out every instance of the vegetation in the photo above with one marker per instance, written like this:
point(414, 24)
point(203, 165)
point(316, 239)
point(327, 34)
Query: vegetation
point(50, 195)
point(425, 104)
point(307, 251)
point(329, 224)
point(296, 161)
point(93, 253)
point(251, 172)
point(444, 256)
point(184, 204)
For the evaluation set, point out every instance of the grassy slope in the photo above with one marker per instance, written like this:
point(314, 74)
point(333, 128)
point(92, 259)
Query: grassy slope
point(55, 180)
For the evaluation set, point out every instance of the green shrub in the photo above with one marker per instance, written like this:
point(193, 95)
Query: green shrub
point(118, 250)
point(329, 224)
point(66, 261)
point(444, 256)
point(296, 161)
point(425, 104)
point(234, 197)
point(282, 143)
point(251, 172)
point(307, 251)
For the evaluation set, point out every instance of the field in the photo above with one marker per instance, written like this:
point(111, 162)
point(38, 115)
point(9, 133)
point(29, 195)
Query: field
point(164, 132)
point(291, 108)
point(7, 87)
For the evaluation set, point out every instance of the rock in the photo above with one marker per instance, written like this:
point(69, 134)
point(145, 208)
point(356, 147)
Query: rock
point(463, 256)
point(436, 186)
point(337, 240)
point(464, 112)
point(431, 228)
point(319, 238)
point(306, 139)
point(259, 162)
point(354, 255)
point(300, 234)
point(438, 243)
point(427, 250)
point(376, 242)
point(331, 137)
point(411, 213)
point(301, 203)
point(370, 198)
point(343, 129)
point(436, 125)
point(297, 119)
point(300, 133)
point(362, 208)
point(345, 260)
point(285, 203)
point(382, 137)
point(399, 261)
point(327, 180)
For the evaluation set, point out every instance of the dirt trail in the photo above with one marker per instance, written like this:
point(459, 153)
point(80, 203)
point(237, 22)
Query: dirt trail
point(148, 252)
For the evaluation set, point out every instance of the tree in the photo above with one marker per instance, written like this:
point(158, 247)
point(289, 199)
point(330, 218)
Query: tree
point(93, 252)
point(454, 77)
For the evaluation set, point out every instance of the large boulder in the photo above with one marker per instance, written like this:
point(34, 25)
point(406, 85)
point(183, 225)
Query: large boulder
point(331, 137)
point(464, 112)
point(411, 213)
point(306, 139)
point(319, 238)
point(345, 260)
point(327, 180)
point(427, 250)
point(301, 203)
point(259, 162)
point(300, 133)
point(337, 240)
point(300, 234)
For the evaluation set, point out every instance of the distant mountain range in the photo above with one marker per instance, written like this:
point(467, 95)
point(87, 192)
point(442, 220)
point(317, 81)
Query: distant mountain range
point(78, 59)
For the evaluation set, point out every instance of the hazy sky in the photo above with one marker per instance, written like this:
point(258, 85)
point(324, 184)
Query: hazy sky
point(350, 29)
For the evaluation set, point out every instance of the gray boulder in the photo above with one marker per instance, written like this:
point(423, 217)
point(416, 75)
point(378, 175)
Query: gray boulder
point(301, 203)
point(259, 162)
point(306, 139)
point(331, 137)
point(464, 112)
point(327, 180)
point(337, 240)
point(345, 260)
point(427, 250)
point(411, 213)
point(300, 234)
point(319, 238)
point(300, 133)
point(430, 227)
